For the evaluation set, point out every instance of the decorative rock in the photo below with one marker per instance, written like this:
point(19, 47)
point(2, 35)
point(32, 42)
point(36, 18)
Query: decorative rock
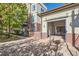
point(36, 48)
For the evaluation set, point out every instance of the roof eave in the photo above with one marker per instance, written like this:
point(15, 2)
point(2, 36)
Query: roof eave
point(58, 9)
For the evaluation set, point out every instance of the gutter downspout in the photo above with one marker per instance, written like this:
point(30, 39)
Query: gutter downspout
point(41, 27)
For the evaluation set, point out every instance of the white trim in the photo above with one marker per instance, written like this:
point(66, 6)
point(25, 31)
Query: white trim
point(55, 20)
point(43, 6)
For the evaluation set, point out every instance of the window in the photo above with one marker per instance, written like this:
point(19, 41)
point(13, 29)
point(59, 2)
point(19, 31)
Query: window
point(42, 10)
point(33, 7)
point(33, 27)
point(32, 18)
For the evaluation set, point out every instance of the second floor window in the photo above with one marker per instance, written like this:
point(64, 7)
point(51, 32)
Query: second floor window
point(33, 7)
point(42, 10)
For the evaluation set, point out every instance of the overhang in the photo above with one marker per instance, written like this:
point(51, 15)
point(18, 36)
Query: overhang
point(66, 6)
point(56, 19)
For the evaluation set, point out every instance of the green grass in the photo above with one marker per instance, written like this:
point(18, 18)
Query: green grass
point(5, 38)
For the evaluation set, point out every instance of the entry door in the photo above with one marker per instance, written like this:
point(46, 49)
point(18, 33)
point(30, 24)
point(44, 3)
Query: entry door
point(61, 30)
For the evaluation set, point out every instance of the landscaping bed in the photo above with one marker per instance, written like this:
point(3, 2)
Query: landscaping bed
point(33, 47)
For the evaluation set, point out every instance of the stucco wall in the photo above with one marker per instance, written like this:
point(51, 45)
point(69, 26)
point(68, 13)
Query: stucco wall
point(63, 13)
point(71, 17)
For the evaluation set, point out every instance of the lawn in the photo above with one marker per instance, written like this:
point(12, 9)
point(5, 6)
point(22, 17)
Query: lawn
point(5, 38)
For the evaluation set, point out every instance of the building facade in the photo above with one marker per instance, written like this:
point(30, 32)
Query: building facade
point(34, 19)
point(62, 21)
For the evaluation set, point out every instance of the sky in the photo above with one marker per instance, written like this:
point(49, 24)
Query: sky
point(51, 6)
